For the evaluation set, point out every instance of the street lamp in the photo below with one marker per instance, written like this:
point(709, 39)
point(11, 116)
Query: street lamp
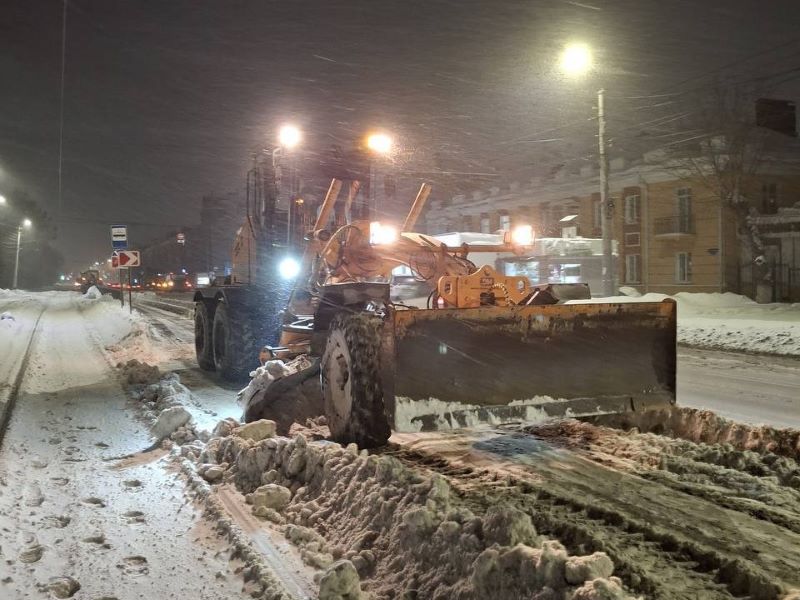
point(576, 60)
point(26, 223)
point(379, 143)
point(289, 136)
point(2, 200)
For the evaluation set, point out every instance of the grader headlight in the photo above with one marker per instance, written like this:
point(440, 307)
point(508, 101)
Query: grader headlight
point(380, 234)
point(522, 235)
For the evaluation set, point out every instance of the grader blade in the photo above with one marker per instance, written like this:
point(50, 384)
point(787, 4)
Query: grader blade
point(457, 368)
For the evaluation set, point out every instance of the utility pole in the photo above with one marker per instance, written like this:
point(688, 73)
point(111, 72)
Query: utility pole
point(16, 260)
point(606, 206)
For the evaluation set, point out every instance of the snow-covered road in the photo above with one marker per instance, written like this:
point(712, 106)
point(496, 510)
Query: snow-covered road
point(750, 388)
point(71, 516)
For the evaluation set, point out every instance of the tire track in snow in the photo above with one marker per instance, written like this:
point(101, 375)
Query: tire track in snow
point(666, 543)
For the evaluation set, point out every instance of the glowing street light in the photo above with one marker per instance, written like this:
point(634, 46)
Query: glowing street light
point(26, 223)
point(379, 143)
point(576, 59)
point(2, 200)
point(289, 136)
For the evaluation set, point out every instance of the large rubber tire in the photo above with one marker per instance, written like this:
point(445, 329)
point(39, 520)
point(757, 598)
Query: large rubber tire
point(234, 343)
point(203, 348)
point(351, 385)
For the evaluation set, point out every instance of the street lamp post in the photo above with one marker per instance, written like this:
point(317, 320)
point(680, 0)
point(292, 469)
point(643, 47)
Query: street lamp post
point(26, 224)
point(577, 60)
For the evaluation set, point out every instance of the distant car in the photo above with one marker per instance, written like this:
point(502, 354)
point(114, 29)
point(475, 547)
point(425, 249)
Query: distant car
point(179, 283)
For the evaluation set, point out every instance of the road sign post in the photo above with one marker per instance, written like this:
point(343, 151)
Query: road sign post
point(119, 241)
point(125, 260)
point(119, 237)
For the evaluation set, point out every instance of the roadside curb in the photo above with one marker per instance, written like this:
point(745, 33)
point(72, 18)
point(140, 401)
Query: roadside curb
point(721, 348)
point(9, 392)
point(273, 586)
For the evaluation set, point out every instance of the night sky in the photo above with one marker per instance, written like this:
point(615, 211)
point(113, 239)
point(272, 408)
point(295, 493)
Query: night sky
point(166, 99)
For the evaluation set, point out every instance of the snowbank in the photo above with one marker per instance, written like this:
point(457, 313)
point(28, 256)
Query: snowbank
point(376, 526)
point(728, 321)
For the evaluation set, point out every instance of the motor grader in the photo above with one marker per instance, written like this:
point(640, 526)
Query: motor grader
point(487, 348)
point(314, 306)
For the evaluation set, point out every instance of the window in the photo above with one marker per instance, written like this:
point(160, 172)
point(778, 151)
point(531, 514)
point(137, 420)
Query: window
point(505, 222)
point(632, 208)
point(632, 239)
point(683, 267)
point(597, 219)
point(632, 270)
point(769, 198)
point(486, 224)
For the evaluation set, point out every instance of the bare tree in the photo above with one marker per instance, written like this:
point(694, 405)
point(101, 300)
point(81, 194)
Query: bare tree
point(726, 153)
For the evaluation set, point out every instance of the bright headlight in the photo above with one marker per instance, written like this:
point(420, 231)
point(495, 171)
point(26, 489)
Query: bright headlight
point(289, 268)
point(522, 235)
point(381, 234)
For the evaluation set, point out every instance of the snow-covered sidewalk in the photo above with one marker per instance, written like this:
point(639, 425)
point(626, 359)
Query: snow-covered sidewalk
point(74, 521)
point(730, 322)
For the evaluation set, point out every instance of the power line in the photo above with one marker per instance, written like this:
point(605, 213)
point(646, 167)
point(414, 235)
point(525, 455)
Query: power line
point(61, 103)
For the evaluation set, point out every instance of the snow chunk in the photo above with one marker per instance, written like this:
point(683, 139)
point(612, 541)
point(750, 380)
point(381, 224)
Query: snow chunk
point(601, 589)
point(135, 372)
point(169, 420)
point(257, 430)
point(93, 293)
point(225, 427)
point(508, 526)
point(340, 582)
point(213, 473)
point(272, 496)
point(586, 568)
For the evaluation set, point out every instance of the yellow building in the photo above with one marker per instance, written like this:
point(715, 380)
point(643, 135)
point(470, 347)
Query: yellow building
point(674, 232)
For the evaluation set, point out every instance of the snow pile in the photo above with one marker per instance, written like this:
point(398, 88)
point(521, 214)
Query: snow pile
point(705, 426)
point(163, 403)
point(93, 293)
point(727, 321)
point(370, 519)
point(124, 335)
point(136, 372)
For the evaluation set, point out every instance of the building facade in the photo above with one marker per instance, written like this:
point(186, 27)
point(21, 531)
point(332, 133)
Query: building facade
point(673, 231)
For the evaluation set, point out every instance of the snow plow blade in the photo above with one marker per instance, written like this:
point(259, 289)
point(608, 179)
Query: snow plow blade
point(458, 368)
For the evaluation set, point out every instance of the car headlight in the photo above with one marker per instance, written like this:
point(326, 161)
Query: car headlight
point(289, 268)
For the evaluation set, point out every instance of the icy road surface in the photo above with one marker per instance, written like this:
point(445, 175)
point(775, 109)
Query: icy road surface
point(118, 529)
point(749, 388)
